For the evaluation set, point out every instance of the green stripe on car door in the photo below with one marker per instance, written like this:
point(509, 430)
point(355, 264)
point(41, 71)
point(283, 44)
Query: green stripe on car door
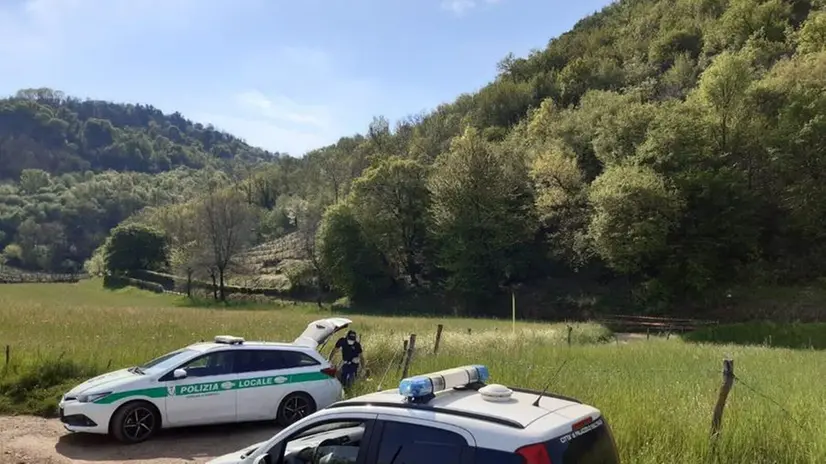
point(209, 387)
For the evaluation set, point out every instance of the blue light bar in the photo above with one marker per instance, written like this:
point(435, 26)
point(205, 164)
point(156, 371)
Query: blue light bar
point(422, 386)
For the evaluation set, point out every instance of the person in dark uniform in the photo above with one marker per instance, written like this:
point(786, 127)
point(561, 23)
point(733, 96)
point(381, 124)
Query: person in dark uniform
point(351, 356)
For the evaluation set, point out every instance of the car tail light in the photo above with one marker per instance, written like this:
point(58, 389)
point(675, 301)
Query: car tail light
point(331, 371)
point(582, 423)
point(535, 454)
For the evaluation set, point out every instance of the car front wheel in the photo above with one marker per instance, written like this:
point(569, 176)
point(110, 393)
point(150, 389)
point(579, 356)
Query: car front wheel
point(295, 407)
point(135, 422)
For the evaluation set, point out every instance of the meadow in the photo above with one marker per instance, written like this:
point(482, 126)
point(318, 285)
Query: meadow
point(657, 394)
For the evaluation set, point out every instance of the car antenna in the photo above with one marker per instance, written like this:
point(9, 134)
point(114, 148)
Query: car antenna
point(536, 403)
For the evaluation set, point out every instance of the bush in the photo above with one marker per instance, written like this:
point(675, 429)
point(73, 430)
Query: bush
point(38, 388)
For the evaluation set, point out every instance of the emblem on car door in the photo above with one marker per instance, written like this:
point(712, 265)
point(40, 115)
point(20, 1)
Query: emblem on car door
point(280, 379)
point(170, 389)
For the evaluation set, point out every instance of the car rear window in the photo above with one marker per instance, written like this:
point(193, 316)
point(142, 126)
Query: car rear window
point(591, 444)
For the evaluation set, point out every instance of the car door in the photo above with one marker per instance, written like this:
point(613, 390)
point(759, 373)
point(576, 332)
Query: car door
point(267, 375)
point(206, 395)
point(414, 441)
point(357, 427)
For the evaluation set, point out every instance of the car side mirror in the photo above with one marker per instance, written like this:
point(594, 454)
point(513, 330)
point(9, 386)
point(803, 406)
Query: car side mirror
point(179, 373)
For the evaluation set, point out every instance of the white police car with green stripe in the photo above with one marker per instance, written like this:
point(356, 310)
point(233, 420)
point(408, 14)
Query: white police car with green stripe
point(227, 380)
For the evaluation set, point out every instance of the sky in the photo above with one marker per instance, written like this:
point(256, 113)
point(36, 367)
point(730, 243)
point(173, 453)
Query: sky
point(284, 75)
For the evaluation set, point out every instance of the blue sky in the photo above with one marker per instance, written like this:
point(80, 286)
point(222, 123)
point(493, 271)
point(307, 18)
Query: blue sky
point(288, 76)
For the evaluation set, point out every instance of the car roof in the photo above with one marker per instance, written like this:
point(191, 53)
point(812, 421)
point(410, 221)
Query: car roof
point(209, 346)
point(518, 411)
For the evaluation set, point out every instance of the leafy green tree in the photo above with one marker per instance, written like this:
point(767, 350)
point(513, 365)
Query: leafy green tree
point(351, 263)
point(480, 204)
point(391, 203)
point(135, 247)
point(634, 212)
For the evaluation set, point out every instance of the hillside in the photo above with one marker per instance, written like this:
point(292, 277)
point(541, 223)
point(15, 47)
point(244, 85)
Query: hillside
point(663, 154)
point(70, 170)
point(44, 129)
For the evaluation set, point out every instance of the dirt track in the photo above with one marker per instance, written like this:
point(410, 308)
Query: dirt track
point(33, 440)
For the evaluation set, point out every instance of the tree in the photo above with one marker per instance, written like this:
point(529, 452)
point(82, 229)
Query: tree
point(634, 212)
point(391, 203)
point(226, 222)
point(32, 180)
point(351, 263)
point(481, 216)
point(135, 247)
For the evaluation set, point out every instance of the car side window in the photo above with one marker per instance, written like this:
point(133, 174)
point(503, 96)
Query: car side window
point(337, 441)
point(293, 359)
point(215, 363)
point(269, 360)
point(418, 444)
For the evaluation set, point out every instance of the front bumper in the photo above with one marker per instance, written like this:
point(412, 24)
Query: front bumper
point(85, 417)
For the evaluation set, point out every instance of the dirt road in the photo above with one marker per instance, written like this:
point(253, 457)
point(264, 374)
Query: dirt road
point(33, 440)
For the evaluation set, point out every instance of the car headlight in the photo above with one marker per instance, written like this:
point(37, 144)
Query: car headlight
point(92, 397)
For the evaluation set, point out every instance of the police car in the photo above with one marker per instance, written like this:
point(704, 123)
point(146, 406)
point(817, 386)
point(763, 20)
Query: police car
point(447, 417)
point(227, 380)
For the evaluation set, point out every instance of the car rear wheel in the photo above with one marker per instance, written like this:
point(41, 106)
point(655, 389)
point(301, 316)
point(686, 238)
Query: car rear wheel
point(135, 422)
point(295, 407)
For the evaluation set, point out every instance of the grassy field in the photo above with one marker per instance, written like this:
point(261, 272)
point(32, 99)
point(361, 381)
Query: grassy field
point(658, 394)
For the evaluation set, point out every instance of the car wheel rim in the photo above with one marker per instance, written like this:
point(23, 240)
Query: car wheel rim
point(139, 424)
point(296, 408)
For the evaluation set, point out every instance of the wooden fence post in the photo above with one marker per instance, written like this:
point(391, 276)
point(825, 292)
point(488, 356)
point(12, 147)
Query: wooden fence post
point(411, 346)
point(725, 388)
point(404, 355)
point(570, 329)
point(438, 338)
point(468, 331)
point(8, 355)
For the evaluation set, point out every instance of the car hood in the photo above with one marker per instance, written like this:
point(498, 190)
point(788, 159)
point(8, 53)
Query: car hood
point(236, 456)
point(108, 381)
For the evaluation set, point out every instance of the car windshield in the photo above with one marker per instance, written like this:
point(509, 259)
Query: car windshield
point(327, 428)
point(168, 360)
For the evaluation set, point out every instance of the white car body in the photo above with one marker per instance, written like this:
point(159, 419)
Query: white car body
point(251, 389)
point(480, 424)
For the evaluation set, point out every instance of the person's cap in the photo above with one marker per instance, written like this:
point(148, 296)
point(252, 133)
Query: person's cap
point(351, 334)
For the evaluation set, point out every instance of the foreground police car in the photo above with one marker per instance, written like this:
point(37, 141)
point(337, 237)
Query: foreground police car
point(228, 380)
point(447, 417)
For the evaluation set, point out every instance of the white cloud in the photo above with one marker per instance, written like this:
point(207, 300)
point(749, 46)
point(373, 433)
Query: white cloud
point(282, 108)
point(265, 133)
point(460, 7)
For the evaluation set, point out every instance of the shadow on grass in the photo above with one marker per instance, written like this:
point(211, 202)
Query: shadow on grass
point(238, 304)
point(791, 335)
point(404, 306)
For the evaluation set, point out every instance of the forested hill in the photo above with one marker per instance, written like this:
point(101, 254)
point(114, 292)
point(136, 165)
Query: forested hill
point(44, 129)
point(72, 169)
point(671, 148)
point(674, 147)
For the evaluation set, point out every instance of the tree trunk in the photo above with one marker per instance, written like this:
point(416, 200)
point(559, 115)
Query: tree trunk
point(221, 280)
point(189, 283)
point(214, 284)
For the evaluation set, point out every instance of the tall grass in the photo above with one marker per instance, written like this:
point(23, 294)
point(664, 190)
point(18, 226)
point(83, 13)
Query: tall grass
point(658, 394)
